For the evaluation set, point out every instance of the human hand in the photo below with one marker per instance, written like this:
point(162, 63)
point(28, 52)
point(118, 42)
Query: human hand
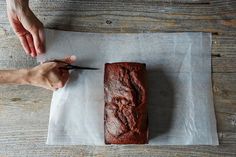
point(49, 75)
point(27, 26)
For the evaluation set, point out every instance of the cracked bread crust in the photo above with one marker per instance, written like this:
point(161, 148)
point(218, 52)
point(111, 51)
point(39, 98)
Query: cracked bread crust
point(125, 116)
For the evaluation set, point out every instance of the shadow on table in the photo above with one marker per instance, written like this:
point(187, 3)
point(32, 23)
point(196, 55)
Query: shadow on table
point(161, 102)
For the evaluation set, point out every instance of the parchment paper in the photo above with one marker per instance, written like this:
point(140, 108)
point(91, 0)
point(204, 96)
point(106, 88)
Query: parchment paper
point(180, 106)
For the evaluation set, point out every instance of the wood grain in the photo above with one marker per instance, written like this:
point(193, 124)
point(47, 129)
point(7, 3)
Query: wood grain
point(24, 110)
point(133, 16)
point(223, 54)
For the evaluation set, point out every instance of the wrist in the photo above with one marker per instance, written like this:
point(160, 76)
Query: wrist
point(25, 77)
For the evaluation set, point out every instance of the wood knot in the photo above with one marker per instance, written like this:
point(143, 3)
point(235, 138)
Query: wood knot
point(108, 22)
point(15, 99)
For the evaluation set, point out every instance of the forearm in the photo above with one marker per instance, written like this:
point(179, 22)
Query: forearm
point(14, 76)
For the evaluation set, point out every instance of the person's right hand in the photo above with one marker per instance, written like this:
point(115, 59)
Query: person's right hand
point(49, 75)
point(27, 26)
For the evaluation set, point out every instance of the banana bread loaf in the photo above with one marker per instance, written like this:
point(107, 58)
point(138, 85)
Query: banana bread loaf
point(125, 119)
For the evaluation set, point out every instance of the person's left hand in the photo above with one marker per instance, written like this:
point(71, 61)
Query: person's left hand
point(49, 75)
point(27, 26)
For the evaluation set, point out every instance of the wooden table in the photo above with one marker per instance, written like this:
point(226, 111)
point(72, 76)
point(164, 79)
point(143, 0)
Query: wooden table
point(24, 110)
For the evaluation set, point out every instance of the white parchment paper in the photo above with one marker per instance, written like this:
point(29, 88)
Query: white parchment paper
point(181, 110)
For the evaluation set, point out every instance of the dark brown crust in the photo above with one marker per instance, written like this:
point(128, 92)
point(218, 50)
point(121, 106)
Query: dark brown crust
point(125, 118)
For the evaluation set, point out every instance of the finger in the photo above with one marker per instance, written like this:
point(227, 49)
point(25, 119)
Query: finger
point(59, 84)
point(50, 86)
point(31, 23)
point(20, 32)
point(31, 44)
point(53, 82)
point(70, 59)
point(53, 88)
point(24, 44)
point(36, 41)
point(51, 65)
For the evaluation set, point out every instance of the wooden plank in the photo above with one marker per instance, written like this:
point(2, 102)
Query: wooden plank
point(137, 8)
point(223, 46)
point(224, 89)
point(116, 151)
point(12, 54)
point(224, 64)
point(223, 54)
point(127, 16)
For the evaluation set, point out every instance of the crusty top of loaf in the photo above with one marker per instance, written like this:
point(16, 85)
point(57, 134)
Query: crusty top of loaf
point(125, 102)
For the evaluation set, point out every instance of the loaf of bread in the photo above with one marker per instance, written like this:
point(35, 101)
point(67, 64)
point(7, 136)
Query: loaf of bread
point(125, 116)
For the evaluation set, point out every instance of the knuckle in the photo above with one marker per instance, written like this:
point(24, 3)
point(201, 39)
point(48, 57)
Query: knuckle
point(36, 27)
point(33, 29)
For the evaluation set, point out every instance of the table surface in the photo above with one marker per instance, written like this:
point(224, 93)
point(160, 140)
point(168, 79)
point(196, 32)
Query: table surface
point(24, 110)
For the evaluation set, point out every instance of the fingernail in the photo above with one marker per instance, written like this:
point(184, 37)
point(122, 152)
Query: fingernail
point(40, 51)
point(73, 58)
point(33, 54)
point(27, 52)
